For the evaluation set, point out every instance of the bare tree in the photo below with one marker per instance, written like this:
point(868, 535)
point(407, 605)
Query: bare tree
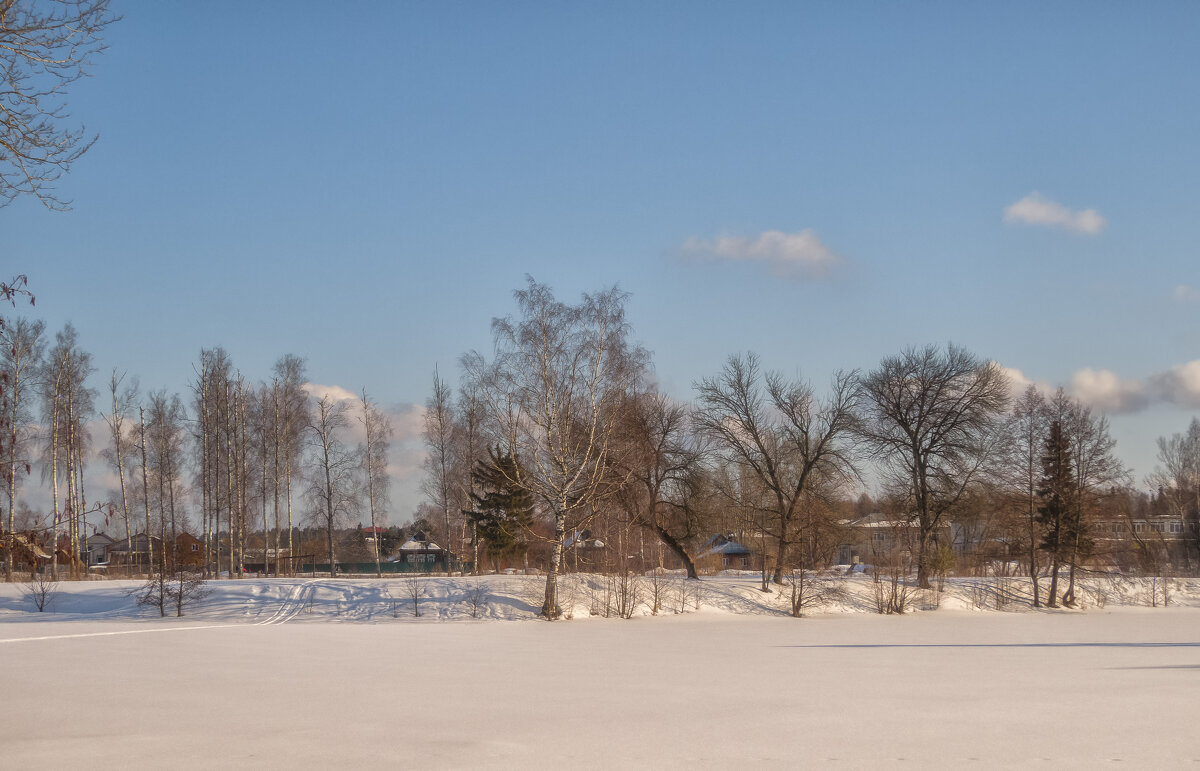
point(1027, 429)
point(44, 48)
point(374, 451)
point(332, 485)
point(165, 435)
point(784, 437)
point(1099, 474)
point(439, 463)
point(553, 393)
point(68, 405)
point(292, 416)
point(931, 419)
point(470, 448)
point(21, 347)
point(661, 456)
point(123, 399)
point(1177, 480)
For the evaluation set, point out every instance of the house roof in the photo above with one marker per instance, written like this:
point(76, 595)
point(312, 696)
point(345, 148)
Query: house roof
point(724, 545)
point(413, 544)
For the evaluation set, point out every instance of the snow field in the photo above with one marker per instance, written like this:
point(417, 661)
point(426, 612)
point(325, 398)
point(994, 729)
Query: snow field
point(260, 675)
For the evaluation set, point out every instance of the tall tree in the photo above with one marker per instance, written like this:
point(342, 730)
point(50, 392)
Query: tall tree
point(501, 511)
point(662, 456)
point(21, 348)
point(439, 443)
point(777, 430)
point(553, 391)
point(1056, 501)
point(1099, 475)
point(1027, 429)
point(374, 452)
point(931, 418)
point(44, 48)
point(292, 417)
point(332, 484)
point(68, 405)
point(165, 435)
point(123, 398)
point(470, 448)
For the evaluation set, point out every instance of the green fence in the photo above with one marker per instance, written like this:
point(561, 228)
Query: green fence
point(368, 568)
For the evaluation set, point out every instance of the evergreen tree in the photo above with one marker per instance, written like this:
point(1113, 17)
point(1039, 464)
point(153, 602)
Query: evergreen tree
point(501, 509)
point(1056, 495)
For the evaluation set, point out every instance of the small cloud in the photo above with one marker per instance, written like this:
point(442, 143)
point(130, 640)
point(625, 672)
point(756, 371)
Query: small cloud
point(1179, 385)
point(1185, 294)
point(335, 393)
point(1104, 390)
point(1018, 381)
point(1033, 209)
point(792, 255)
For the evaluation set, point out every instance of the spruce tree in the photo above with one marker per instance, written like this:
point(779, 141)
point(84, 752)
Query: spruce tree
point(1056, 493)
point(501, 510)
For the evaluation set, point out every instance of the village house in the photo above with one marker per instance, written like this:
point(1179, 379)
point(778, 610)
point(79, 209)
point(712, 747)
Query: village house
point(421, 555)
point(97, 548)
point(723, 551)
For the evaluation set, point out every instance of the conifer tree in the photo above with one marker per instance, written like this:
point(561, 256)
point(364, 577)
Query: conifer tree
point(1056, 493)
point(501, 510)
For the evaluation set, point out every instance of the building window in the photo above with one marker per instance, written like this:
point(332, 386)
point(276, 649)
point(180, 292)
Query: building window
point(1176, 527)
point(195, 547)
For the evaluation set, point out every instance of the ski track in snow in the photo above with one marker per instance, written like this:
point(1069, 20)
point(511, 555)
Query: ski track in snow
point(292, 605)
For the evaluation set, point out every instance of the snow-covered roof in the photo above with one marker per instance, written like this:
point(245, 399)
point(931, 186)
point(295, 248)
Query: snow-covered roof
point(413, 545)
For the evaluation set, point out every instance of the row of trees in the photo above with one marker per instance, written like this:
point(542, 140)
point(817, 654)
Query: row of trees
point(227, 463)
point(563, 429)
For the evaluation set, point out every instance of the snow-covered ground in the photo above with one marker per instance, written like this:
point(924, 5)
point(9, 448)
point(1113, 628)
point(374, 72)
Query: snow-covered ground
point(297, 673)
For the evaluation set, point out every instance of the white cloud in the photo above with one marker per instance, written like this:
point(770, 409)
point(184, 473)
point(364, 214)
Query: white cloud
point(407, 419)
point(334, 392)
point(1033, 209)
point(1018, 381)
point(1185, 294)
point(1106, 391)
point(1179, 385)
point(787, 254)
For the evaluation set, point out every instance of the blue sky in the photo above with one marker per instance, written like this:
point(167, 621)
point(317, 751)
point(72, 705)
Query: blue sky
point(823, 183)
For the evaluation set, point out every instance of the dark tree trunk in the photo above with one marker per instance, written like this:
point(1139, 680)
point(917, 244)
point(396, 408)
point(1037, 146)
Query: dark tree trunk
point(677, 549)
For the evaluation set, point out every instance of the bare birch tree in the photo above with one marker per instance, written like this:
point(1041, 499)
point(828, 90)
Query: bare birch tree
point(439, 463)
point(553, 392)
point(22, 345)
point(67, 405)
point(374, 451)
point(292, 416)
point(470, 448)
point(123, 399)
point(332, 485)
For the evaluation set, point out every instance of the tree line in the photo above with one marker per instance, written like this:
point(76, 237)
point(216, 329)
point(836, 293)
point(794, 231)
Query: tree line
point(240, 464)
point(560, 436)
point(563, 429)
